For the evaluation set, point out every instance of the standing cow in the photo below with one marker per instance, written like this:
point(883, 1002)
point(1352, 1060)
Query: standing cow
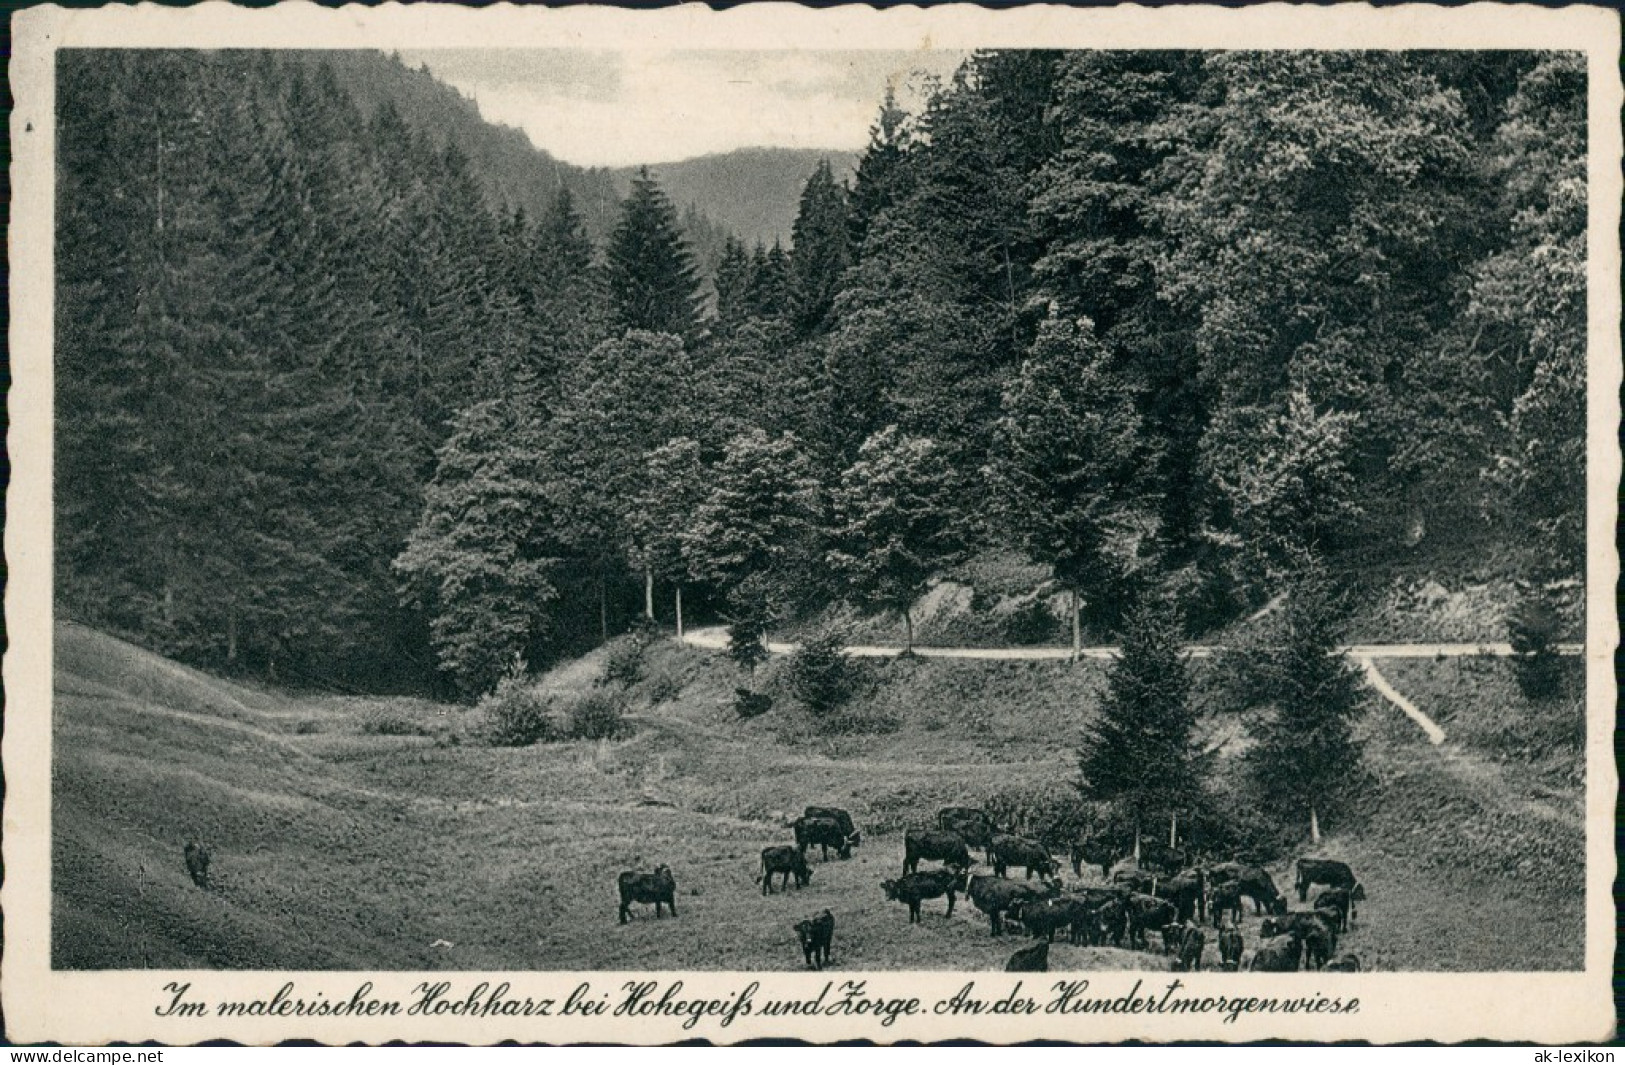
point(824, 832)
point(785, 862)
point(842, 819)
point(816, 934)
point(1007, 850)
point(945, 847)
point(1312, 871)
point(657, 888)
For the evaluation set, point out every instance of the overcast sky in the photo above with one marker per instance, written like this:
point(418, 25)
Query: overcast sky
point(596, 108)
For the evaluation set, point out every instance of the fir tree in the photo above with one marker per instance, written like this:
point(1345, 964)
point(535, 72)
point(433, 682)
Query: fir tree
point(653, 284)
point(820, 250)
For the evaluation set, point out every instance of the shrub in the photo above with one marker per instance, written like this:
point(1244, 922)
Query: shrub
point(516, 715)
point(1054, 813)
point(856, 722)
point(751, 704)
point(1031, 623)
point(623, 662)
point(392, 721)
point(820, 675)
point(1533, 630)
point(664, 687)
point(597, 716)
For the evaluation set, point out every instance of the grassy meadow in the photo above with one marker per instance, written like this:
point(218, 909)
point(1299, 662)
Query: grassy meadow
point(373, 833)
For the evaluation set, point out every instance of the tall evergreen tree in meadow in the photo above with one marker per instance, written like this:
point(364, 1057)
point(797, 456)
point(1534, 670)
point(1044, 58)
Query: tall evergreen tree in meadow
point(653, 283)
point(820, 250)
point(1306, 761)
point(1140, 754)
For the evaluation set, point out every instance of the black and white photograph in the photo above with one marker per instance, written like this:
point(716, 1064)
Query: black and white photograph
point(539, 506)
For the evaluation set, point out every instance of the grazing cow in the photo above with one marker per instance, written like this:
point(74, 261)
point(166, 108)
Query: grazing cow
point(1340, 900)
point(197, 864)
point(1030, 960)
point(1259, 886)
point(1316, 929)
point(1161, 858)
point(1135, 880)
point(656, 888)
point(1190, 950)
point(1278, 955)
point(1347, 963)
point(1225, 902)
point(1230, 947)
point(840, 817)
point(1046, 916)
point(968, 823)
point(1146, 913)
point(785, 861)
point(1008, 850)
point(914, 888)
point(1187, 891)
point(945, 847)
point(1312, 871)
point(1096, 851)
point(995, 897)
point(816, 934)
point(826, 832)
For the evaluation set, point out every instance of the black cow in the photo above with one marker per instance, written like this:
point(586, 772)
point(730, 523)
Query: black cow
point(1340, 900)
point(1111, 922)
point(1008, 850)
point(1315, 928)
point(1136, 880)
point(968, 823)
point(840, 817)
point(1225, 902)
point(816, 934)
point(785, 861)
point(1231, 946)
point(1044, 917)
point(648, 888)
point(994, 896)
point(197, 864)
point(1161, 858)
point(1187, 891)
point(1146, 913)
point(1312, 871)
point(825, 832)
point(1348, 963)
point(914, 888)
point(1278, 955)
point(1030, 960)
point(1191, 945)
point(1259, 886)
point(1096, 851)
point(945, 847)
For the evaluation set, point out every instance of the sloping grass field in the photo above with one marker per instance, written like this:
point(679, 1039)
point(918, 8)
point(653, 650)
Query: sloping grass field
point(352, 833)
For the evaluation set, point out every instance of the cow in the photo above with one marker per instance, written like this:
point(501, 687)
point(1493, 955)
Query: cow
point(1111, 922)
point(1191, 945)
point(914, 888)
point(1340, 900)
point(1094, 851)
point(994, 896)
point(648, 888)
point(1029, 960)
point(1312, 871)
point(1256, 884)
point(968, 823)
point(1007, 850)
point(197, 863)
point(816, 934)
point(1136, 880)
point(1161, 858)
point(1231, 946)
point(1046, 916)
point(1278, 955)
point(840, 817)
point(1347, 963)
point(1316, 929)
point(786, 862)
point(945, 847)
point(1225, 902)
point(1146, 913)
point(1187, 891)
point(826, 832)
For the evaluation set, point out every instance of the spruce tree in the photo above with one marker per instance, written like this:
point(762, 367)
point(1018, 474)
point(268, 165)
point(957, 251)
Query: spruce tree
point(1140, 753)
point(820, 250)
point(653, 284)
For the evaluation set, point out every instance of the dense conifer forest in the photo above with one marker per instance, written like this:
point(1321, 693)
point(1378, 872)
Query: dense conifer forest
point(1175, 325)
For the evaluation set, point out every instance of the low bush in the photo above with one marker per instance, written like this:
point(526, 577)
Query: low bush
point(1030, 624)
point(597, 716)
point(516, 715)
point(623, 662)
point(851, 721)
point(1533, 630)
point(392, 721)
point(664, 687)
point(820, 675)
point(749, 704)
point(1054, 813)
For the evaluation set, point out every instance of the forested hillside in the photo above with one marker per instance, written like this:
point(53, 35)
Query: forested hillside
point(1169, 324)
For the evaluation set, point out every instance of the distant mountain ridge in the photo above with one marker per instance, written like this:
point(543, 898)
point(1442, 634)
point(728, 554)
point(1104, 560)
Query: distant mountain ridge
point(752, 193)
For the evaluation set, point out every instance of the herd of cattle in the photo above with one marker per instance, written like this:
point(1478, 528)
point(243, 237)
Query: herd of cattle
point(1162, 900)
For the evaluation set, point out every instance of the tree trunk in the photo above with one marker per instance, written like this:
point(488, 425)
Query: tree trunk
point(1077, 628)
point(603, 606)
point(648, 593)
point(908, 632)
point(1173, 830)
point(231, 636)
point(679, 613)
point(1136, 844)
point(1314, 824)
